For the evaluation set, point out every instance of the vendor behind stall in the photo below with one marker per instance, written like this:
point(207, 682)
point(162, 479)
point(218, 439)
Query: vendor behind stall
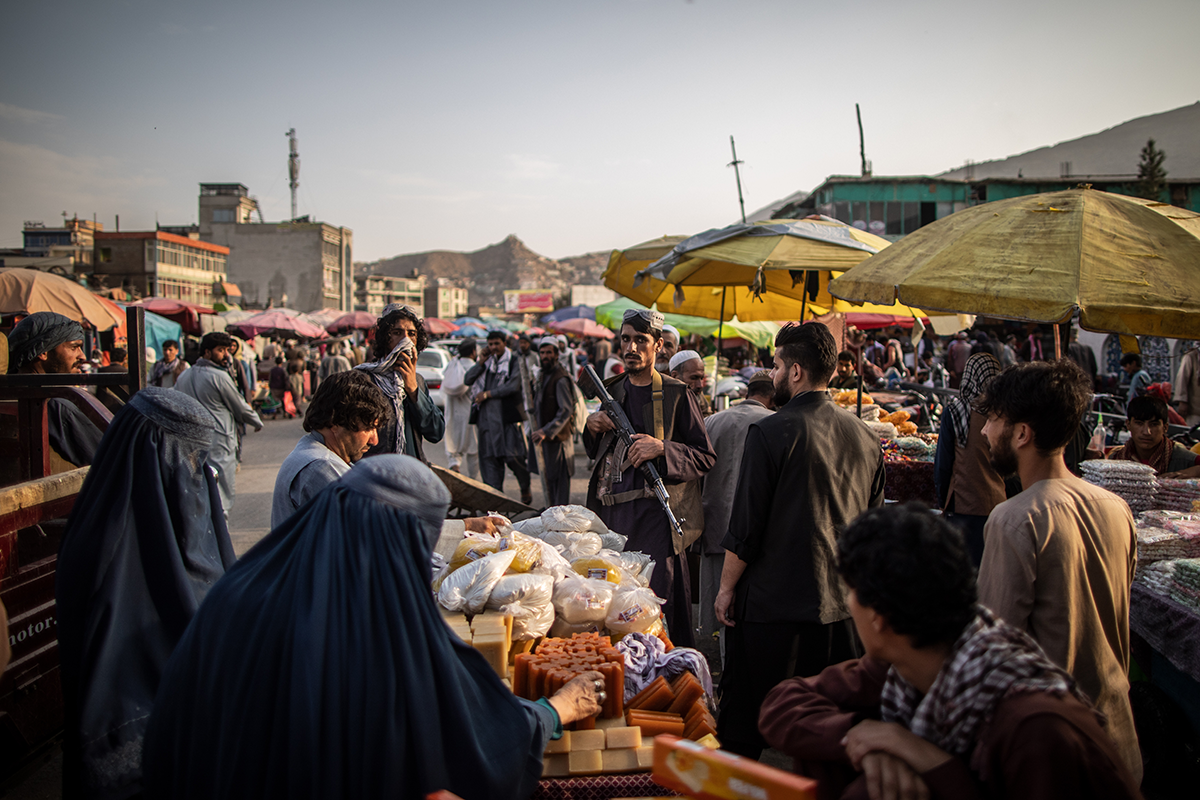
point(1148, 442)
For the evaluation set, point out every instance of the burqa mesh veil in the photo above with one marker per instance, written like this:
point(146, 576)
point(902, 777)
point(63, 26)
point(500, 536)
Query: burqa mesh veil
point(143, 545)
point(320, 666)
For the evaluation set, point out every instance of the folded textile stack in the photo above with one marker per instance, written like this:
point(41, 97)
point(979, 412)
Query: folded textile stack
point(1132, 482)
point(1178, 579)
point(1177, 495)
point(1186, 525)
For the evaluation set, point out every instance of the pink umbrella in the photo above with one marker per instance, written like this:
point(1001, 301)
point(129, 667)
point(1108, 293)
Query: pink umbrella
point(277, 322)
point(582, 327)
point(535, 331)
point(439, 327)
point(355, 320)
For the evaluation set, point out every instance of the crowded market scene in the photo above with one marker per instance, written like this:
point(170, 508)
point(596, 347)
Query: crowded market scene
point(591, 420)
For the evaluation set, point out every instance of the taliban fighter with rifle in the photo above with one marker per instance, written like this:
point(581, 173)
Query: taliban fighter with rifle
point(669, 435)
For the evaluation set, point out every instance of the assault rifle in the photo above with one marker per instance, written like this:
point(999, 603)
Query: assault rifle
point(594, 388)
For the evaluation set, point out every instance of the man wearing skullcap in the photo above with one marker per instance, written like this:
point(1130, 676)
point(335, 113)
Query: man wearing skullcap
point(687, 366)
point(553, 433)
point(670, 344)
point(46, 343)
point(671, 435)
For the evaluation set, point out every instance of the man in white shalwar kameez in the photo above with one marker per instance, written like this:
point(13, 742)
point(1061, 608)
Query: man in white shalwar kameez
point(462, 444)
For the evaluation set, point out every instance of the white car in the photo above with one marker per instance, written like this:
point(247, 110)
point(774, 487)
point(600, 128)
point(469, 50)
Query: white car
point(431, 365)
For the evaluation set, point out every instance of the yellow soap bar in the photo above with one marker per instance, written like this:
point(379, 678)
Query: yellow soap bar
point(495, 649)
point(585, 762)
point(621, 761)
point(587, 740)
point(621, 738)
point(645, 756)
point(491, 621)
point(562, 745)
point(611, 722)
point(556, 766)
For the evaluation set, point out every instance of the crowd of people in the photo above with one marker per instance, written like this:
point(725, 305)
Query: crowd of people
point(891, 651)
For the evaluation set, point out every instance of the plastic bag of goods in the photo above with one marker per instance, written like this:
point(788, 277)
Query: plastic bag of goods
point(530, 527)
point(528, 599)
point(578, 600)
point(468, 589)
point(574, 544)
point(572, 518)
point(473, 547)
point(552, 563)
point(561, 629)
point(600, 567)
point(613, 541)
point(528, 550)
point(638, 566)
point(634, 611)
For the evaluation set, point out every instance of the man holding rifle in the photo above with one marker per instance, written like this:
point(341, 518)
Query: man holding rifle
point(669, 435)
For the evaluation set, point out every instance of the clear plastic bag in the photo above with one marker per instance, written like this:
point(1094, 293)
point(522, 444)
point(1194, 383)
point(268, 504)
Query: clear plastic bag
point(561, 629)
point(552, 563)
point(530, 622)
point(573, 544)
point(613, 541)
point(600, 567)
point(578, 600)
point(638, 566)
point(528, 550)
point(473, 547)
point(528, 599)
point(572, 518)
point(468, 589)
point(634, 611)
point(530, 527)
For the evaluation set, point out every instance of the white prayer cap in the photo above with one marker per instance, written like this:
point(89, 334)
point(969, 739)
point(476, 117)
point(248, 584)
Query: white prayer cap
point(671, 329)
point(682, 357)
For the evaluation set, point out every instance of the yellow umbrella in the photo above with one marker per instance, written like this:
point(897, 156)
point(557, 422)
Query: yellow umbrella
point(26, 291)
point(1130, 266)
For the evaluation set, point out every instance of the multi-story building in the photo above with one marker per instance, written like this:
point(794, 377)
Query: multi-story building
point(301, 264)
point(372, 293)
point(445, 302)
point(66, 250)
point(162, 264)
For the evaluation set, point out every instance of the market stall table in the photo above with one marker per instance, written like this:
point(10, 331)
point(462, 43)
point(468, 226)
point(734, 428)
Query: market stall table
point(600, 787)
point(909, 480)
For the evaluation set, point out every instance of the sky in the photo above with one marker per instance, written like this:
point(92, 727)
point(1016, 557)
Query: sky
point(578, 126)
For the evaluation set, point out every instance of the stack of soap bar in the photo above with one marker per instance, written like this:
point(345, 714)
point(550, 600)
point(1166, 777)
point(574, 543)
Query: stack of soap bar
point(556, 661)
point(677, 708)
point(458, 624)
point(491, 634)
point(610, 749)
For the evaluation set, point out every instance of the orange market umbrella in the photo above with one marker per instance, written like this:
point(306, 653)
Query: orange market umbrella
point(26, 291)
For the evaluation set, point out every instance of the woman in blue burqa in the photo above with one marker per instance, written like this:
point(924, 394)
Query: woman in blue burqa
point(144, 543)
point(320, 666)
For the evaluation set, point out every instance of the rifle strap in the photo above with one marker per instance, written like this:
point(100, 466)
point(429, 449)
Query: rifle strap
point(656, 402)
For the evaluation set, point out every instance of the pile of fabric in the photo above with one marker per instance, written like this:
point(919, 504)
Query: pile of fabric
point(1132, 482)
point(1178, 579)
point(1158, 544)
point(1178, 495)
point(1184, 524)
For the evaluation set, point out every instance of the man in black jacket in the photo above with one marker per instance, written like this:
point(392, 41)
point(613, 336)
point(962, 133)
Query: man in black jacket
point(807, 471)
point(554, 404)
point(501, 439)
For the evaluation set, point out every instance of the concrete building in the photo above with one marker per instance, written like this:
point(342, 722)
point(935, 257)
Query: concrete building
point(162, 264)
point(300, 264)
point(445, 302)
point(372, 293)
point(65, 250)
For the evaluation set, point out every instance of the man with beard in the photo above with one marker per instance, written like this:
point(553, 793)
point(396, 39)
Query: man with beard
point(496, 382)
point(1059, 557)
point(341, 424)
point(807, 471)
point(687, 366)
point(209, 383)
point(671, 434)
point(670, 345)
point(413, 417)
point(47, 343)
point(553, 405)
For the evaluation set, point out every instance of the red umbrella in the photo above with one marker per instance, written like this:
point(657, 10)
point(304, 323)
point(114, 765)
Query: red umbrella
point(277, 322)
point(535, 331)
point(582, 327)
point(186, 314)
point(355, 320)
point(864, 321)
point(439, 327)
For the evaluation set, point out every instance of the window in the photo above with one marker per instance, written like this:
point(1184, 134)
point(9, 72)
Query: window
point(223, 215)
point(105, 255)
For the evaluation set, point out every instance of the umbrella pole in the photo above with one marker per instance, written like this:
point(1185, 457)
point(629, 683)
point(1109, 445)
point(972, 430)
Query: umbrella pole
point(803, 295)
point(720, 338)
point(1057, 344)
point(860, 357)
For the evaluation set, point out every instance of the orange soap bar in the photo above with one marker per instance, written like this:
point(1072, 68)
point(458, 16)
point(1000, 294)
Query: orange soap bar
point(653, 726)
point(698, 729)
point(638, 699)
point(687, 696)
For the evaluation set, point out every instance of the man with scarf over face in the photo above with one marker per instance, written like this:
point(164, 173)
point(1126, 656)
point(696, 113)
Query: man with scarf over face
point(209, 383)
point(46, 343)
point(496, 388)
point(553, 404)
point(399, 337)
point(671, 433)
point(807, 471)
point(950, 701)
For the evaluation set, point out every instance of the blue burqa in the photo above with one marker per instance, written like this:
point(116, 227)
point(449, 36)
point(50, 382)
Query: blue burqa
point(320, 667)
point(143, 545)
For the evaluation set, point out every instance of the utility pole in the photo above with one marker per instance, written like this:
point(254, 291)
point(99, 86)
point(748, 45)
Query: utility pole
point(862, 147)
point(738, 175)
point(293, 167)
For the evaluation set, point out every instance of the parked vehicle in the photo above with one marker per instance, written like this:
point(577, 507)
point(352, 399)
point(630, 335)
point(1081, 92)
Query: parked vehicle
point(431, 365)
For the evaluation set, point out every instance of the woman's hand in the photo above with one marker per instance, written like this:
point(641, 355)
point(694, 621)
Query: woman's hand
point(580, 698)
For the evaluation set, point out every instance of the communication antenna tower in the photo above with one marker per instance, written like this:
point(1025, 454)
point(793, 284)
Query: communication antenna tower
point(293, 167)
